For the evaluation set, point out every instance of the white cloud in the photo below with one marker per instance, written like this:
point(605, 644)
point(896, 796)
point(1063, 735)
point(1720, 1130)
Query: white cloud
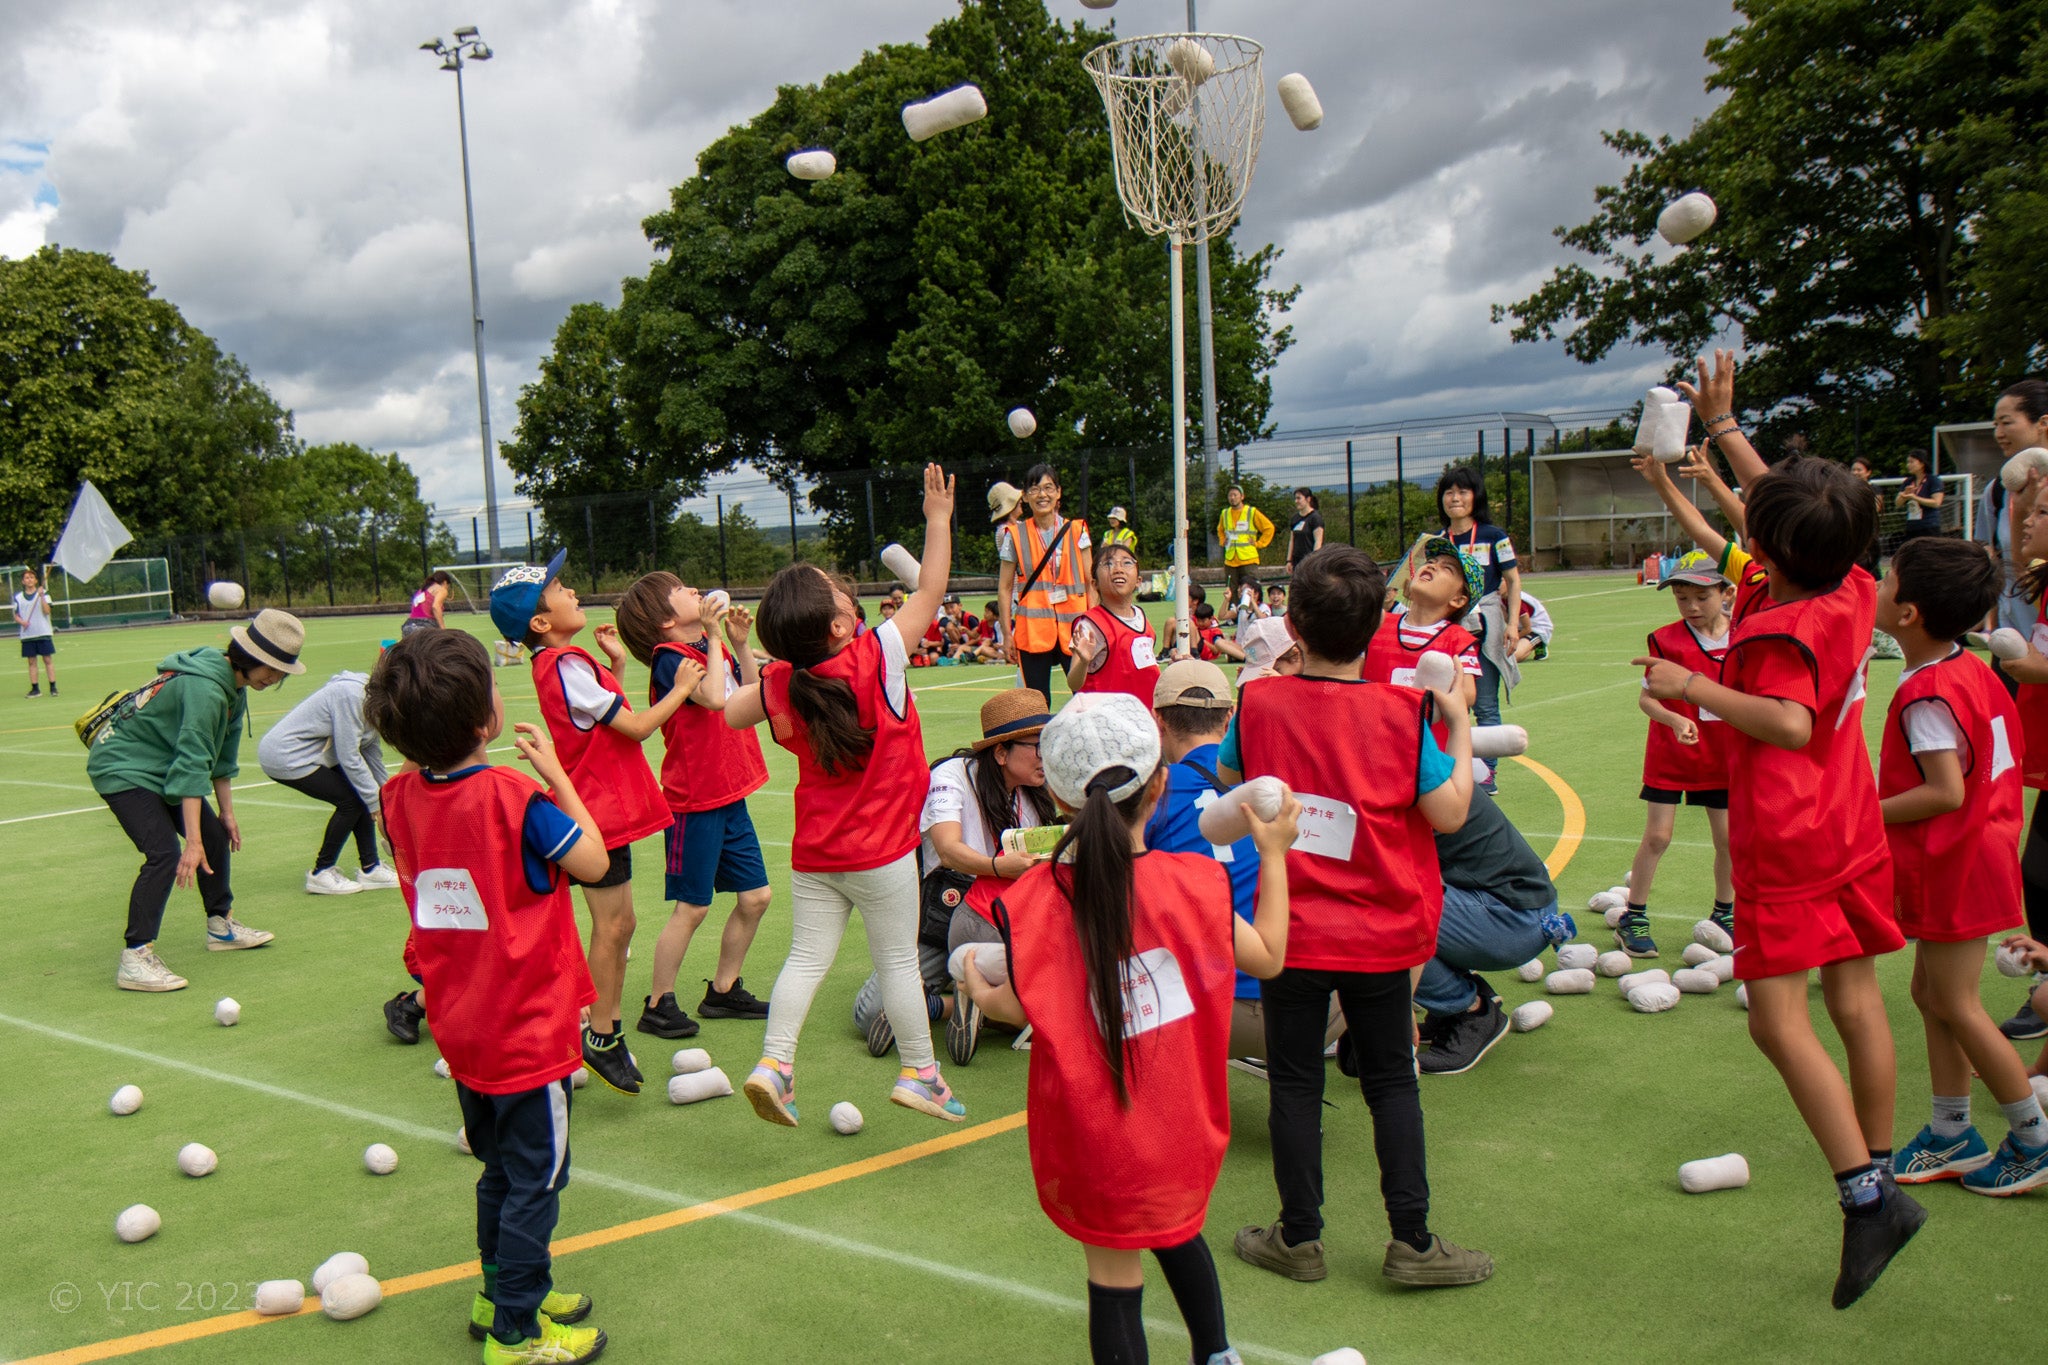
point(24, 231)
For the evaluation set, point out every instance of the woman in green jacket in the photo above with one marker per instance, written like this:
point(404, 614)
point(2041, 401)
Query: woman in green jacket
point(155, 766)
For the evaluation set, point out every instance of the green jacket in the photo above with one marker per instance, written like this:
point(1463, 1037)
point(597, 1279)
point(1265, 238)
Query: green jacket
point(187, 735)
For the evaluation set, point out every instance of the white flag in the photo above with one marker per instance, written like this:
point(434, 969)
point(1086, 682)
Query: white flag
point(90, 537)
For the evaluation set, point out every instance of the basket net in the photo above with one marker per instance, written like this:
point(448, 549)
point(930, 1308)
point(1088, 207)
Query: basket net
point(1184, 150)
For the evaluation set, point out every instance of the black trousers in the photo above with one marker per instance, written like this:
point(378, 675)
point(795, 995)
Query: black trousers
point(156, 827)
point(1378, 1010)
point(2034, 870)
point(523, 1141)
point(350, 816)
point(1037, 669)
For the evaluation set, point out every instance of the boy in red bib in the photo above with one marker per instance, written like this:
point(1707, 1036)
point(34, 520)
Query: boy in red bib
point(1113, 641)
point(494, 941)
point(1813, 874)
point(1949, 777)
point(1126, 982)
point(708, 770)
point(599, 735)
point(1444, 585)
point(1366, 896)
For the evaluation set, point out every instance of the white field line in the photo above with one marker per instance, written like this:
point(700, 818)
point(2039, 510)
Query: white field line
point(866, 1250)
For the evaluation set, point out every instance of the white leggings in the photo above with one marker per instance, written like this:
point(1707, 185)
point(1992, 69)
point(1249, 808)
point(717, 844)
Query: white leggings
point(819, 906)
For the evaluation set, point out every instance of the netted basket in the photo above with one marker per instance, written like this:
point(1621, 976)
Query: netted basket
point(1186, 111)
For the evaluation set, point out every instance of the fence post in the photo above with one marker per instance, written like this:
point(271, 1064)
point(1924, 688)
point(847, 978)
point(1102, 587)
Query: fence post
point(1400, 499)
point(242, 558)
point(171, 566)
point(1235, 476)
point(1530, 464)
point(476, 542)
point(327, 554)
point(874, 540)
point(376, 579)
point(723, 578)
point(1507, 475)
point(793, 556)
point(284, 567)
point(590, 545)
point(1350, 500)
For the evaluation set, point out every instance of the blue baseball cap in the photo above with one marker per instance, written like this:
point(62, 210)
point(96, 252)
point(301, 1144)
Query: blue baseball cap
point(516, 596)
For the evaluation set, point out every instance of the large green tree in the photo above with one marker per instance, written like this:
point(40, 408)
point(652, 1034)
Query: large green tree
point(100, 379)
point(1874, 253)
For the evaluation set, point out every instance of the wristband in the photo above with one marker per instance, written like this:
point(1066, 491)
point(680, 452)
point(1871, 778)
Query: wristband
point(1724, 417)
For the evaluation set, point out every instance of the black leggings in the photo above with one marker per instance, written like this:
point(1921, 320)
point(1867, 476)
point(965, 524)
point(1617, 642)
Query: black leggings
point(350, 816)
point(2034, 870)
point(156, 827)
point(1037, 669)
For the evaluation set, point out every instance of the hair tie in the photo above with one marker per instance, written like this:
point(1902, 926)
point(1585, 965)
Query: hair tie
point(1107, 781)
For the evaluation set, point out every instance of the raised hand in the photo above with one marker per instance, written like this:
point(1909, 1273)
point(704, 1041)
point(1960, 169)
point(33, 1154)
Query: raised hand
point(1715, 393)
point(938, 494)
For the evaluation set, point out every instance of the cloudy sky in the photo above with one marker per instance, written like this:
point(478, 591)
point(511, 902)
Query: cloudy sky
point(288, 175)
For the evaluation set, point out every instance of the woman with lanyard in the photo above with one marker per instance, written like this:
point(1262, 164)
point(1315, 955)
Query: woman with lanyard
point(1921, 497)
point(1461, 500)
point(998, 784)
point(1056, 564)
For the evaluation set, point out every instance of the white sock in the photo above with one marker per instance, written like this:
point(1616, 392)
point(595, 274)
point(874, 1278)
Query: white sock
point(1952, 1116)
point(2024, 1117)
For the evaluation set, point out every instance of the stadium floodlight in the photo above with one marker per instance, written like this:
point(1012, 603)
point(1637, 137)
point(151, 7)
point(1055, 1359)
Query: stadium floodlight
point(466, 32)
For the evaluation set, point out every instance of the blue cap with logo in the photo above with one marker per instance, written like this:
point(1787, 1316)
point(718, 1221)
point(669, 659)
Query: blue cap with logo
point(1441, 547)
point(515, 597)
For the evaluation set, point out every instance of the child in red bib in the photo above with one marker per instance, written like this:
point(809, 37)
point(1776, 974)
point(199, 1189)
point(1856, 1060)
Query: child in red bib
point(599, 735)
point(494, 940)
point(1949, 778)
point(1127, 984)
point(840, 703)
point(1113, 641)
point(708, 769)
point(1445, 583)
point(1813, 874)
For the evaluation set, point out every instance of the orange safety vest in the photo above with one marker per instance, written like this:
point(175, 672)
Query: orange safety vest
point(1044, 617)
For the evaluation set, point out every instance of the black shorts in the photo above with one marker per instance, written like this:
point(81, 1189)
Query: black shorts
point(619, 873)
point(35, 646)
point(1714, 798)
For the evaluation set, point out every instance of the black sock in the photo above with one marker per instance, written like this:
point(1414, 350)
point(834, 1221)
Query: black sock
point(1417, 1236)
point(1191, 1275)
point(1638, 907)
point(1116, 1325)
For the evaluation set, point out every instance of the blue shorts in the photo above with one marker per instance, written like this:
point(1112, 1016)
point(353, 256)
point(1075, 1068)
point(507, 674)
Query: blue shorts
point(711, 851)
point(33, 646)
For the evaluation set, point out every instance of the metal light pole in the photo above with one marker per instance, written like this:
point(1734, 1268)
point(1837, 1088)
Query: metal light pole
point(1206, 328)
point(468, 47)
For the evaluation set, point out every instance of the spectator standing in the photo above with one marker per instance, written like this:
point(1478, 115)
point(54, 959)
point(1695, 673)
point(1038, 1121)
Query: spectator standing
point(38, 641)
point(1119, 533)
point(1921, 498)
point(1044, 581)
point(1306, 535)
point(1243, 530)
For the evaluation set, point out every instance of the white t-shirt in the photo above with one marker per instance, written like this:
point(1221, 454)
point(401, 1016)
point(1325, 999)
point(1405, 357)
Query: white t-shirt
point(1418, 637)
point(1930, 726)
point(951, 797)
point(35, 610)
point(591, 703)
point(1540, 624)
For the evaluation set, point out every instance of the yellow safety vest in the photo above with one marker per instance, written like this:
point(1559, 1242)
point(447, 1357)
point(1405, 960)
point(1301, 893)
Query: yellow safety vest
point(1122, 535)
point(1235, 529)
point(1044, 617)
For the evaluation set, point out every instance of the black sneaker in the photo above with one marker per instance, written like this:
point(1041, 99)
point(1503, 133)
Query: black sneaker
point(53, 689)
point(664, 1018)
point(402, 1016)
point(1632, 935)
point(37, 691)
point(736, 1003)
point(605, 1056)
point(1460, 1044)
point(2025, 1024)
point(1870, 1242)
point(632, 1062)
point(963, 1029)
point(1724, 920)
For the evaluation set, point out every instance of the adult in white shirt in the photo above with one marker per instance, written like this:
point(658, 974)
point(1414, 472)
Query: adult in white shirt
point(32, 616)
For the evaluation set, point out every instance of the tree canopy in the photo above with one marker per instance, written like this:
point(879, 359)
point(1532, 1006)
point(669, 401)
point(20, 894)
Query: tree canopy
point(1879, 167)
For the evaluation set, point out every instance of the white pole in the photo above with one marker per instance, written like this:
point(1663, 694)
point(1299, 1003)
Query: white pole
point(1181, 617)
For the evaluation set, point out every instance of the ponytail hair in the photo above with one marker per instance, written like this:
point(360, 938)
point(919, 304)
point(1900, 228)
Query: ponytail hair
point(797, 612)
point(1098, 885)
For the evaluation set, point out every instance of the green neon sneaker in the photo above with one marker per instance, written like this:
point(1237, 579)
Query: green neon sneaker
point(556, 1307)
point(556, 1345)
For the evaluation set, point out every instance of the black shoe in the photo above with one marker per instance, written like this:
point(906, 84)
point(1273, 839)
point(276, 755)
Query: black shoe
point(664, 1018)
point(604, 1054)
point(632, 1062)
point(1632, 935)
point(2025, 1024)
point(37, 691)
point(1870, 1242)
point(1725, 920)
point(1458, 1047)
point(53, 689)
point(736, 1003)
point(402, 1016)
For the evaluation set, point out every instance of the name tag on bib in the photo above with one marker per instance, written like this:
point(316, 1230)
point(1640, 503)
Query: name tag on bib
point(1705, 714)
point(446, 898)
point(1155, 992)
point(1329, 827)
point(1404, 677)
point(1142, 653)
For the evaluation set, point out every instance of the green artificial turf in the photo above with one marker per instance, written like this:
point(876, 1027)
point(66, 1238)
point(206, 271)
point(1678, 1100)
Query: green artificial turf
point(1558, 1154)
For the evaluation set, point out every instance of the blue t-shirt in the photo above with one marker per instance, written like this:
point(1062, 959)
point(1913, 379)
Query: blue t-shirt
point(1432, 766)
point(1489, 547)
point(546, 835)
point(1175, 827)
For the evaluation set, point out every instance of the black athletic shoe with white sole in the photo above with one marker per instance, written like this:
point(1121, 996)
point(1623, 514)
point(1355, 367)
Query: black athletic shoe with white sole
point(1870, 1242)
point(2025, 1024)
point(1463, 1039)
point(403, 1015)
point(605, 1056)
point(664, 1018)
point(737, 1002)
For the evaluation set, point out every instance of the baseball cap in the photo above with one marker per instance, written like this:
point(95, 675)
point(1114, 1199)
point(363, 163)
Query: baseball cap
point(515, 597)
point(1264, 641)
point(1440, 547)
point(1099, 734)
point(1697, 568)
point(1188, 675)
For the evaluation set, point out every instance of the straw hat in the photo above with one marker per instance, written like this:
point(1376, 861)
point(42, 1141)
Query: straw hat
point(275, 638)
point(1003, 499)
point(1011, 716)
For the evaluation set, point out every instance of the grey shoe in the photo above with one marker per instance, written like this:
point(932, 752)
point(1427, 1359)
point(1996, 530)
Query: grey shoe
point(1268, 1250)
point(1445, 1263)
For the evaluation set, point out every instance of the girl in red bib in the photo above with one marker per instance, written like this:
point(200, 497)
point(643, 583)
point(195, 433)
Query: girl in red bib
point(840, 702)
point(1113, 642)
point(1127, 983)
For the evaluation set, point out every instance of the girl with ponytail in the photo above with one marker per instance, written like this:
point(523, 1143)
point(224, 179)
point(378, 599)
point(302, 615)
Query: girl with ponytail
point(1127, 984)
point(836, 697)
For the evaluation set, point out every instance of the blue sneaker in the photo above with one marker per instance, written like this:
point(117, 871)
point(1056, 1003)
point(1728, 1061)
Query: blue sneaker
point(2015, 1170)
point(1928, 1158)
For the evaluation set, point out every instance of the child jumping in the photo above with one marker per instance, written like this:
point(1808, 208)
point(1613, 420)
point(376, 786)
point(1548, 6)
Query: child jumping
point(1685, 756)
point(599, 735)
point(1953, 807)
point(1126, 982)
point(708, 770)
point(1113, 640)
point(494, 939)
point(840, 702)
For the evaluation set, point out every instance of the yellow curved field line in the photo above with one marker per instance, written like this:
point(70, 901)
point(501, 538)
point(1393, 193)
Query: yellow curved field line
point(1574, 827)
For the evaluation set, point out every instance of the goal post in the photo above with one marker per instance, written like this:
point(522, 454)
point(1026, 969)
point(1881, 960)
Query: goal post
point(125, 592)
point(474, 581)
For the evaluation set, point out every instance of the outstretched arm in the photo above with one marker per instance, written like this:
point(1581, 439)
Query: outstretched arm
point(1690, 519)
point(1699, 464)
point(1714, 399)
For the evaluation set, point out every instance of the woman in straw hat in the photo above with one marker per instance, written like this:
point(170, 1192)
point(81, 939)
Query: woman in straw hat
point(175, 742)
point(992, 786)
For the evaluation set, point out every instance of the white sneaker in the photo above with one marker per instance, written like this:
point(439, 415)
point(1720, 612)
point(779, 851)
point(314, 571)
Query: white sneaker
point(328, 881)
point(142, 970)
point(225, 933)
point(376, 877)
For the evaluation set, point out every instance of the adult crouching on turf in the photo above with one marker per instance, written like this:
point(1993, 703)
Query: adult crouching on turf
point(1044, 581)
point(428, 602)
point(155, 766)
point(324, 749)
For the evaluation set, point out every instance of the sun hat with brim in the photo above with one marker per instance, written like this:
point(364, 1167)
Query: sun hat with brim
point(1440, 547)
point(1696, 568)
point(1117, 514)
point(515, 597)
point(1008, 717)
point(1180, 678)
point(1263, 641)
point(1099, 736)
point(1003, 498)
point(274, 637)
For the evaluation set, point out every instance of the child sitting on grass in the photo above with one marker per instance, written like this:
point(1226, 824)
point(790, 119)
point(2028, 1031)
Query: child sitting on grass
point(494, 940)
point(1953, 809)
point(1442, 588)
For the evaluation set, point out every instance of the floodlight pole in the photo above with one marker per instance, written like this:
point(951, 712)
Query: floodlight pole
point(1206, 325)
point(1183, 632)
